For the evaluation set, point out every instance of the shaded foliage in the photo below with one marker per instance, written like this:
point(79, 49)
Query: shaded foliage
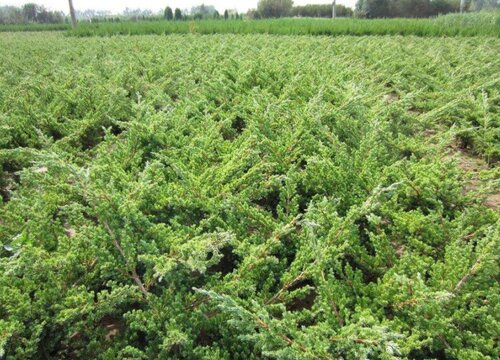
point(274, 8)
point(325, 11)
point(416, 8)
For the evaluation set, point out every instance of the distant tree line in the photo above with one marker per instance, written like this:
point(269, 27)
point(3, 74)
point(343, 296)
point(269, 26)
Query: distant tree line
point(33, 13)
point(29, 13)
point(416, 8)
point(199, 12)
point(274, 8)
point(368, 8)
point(321, 10)
point(285, 8)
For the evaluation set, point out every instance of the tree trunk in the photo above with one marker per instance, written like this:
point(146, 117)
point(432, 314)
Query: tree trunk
point(462, 6)
point(333, 9)
point(72, 13)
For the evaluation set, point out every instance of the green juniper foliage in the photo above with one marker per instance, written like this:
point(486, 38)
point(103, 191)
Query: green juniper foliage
point(248, 197)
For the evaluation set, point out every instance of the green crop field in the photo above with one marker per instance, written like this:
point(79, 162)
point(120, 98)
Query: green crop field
point(249, 197)
point(34, 27)
point(487, 24)
point(473, 24)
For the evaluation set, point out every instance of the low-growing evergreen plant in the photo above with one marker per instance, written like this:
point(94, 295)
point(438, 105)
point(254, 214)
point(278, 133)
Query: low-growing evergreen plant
point(248, 197)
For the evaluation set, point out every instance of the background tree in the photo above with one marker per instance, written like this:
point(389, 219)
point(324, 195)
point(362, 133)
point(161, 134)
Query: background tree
point(178, 14)
point(169, 15)
point(253, 14)
point(359, 9)
point(443, 7)
point(203, 11)
point(407, 8)
point(478, 5)
point(11, 15)
point(274, 8)
point(30, 12)
point(491, 4)
point(379, 8)
point(226, 14)
point(320, 10)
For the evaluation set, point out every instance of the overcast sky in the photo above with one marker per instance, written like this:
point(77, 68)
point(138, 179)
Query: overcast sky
point(119, 5)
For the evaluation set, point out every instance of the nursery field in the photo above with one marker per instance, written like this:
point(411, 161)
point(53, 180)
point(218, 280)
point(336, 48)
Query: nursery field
point(474, 24)
point(249, 197)
point(33, 27)
point(453, 25)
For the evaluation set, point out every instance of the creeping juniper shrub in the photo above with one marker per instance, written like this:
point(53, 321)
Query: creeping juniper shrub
point(248, 197)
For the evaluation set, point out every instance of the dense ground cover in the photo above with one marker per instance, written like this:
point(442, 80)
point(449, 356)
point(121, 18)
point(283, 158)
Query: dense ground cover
point(248, 197)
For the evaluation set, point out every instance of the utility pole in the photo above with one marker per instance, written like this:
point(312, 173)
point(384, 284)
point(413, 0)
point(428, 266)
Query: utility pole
point(462, 6)
point(333, 9)
point(72, 13)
